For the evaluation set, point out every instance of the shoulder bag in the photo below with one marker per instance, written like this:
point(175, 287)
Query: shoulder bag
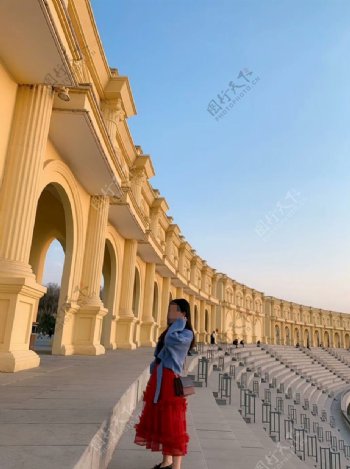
point(183, 385)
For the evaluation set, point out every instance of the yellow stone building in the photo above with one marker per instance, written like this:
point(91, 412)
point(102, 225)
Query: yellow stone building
point(70, 171)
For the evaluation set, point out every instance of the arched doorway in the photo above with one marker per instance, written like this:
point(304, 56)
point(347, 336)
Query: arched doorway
point(336, 340)
point(316, 338)
point(206, 325)
point(53, 228)
point(136, 306)
point(108, 295)
point(306, 338)
point(347, 341)
point(277, 335)
point(196, 318)
point(287, 335)
point(326, 338)
point(155, 311)
point(296, 336)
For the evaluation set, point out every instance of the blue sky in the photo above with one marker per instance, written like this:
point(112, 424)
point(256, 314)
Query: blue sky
point(263, 193)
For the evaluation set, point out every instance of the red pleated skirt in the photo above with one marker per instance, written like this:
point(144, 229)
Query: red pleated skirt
point(162, 426)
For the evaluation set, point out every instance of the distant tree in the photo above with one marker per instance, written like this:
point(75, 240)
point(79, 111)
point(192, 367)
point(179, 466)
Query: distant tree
point(47, 310)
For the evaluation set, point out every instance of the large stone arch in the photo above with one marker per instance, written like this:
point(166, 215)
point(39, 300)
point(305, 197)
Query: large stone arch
point(336, 340)
point(112, 278)
point(66, 223)
point(195, 318)
point(287, 335)
point(57, 174)
point(346, 341)
point(326, 340)
point(317, 339)
point(155, 303)
point(296, 336)
point(306, 338)
point(156, 310)
point(136, 304)
point(277, 334)
point(207, 325)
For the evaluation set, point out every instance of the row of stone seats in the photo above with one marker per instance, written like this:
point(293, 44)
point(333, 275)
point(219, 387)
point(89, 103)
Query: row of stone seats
point(250, 370)
point(278, 369)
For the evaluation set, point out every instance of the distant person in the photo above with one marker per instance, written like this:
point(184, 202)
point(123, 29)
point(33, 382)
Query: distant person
point(242, 342)
point(213, 338)
point(297, 345)
point(258, 343)
point(235, 342)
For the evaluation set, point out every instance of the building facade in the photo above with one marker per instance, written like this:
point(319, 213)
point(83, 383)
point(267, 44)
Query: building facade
point(69, 170)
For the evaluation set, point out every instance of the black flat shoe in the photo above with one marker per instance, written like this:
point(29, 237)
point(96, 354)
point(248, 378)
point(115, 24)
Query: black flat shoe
point(158, 466)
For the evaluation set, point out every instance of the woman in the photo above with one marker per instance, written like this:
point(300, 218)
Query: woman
point(162, 425)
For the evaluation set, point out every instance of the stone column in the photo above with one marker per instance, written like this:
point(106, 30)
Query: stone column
point(342, 337)
point(213, 318)
point(210, 321)
point(126, 322)
point(88, 321)
point(268, 339)
point(253, 325)
point(282, 332)
point(202, 333)
point(291, 335)
point(164, 303)
point(244, 327)
point(220, 323)
point(191, 302)
point(19, 291)
point(147, 322)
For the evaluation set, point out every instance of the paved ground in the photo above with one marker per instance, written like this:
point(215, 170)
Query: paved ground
point(219, 438)
point(49, 415)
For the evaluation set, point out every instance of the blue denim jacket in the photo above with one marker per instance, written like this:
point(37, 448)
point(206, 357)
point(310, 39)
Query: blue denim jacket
point(177, 342)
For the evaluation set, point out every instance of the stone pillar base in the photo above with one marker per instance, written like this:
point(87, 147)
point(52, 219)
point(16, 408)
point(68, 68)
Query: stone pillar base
point(88, 329)
point(108, 333)
point(18, 360)
point(97, 349)
point(146, 334)
point(62, 338)
point(125, 332)
point(202, 337)
point(156, 332)
point(19, 298)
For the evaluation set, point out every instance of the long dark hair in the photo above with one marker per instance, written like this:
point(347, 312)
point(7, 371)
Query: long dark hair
point(183, 306)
